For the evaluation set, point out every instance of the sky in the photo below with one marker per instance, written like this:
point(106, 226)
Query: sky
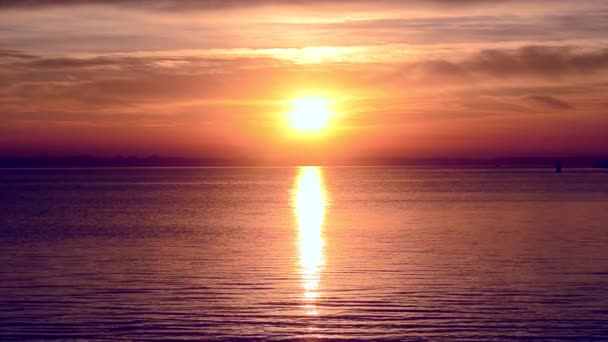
point(210, 78)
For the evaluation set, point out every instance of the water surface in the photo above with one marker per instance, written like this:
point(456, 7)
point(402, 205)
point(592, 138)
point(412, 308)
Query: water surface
point(304, 253)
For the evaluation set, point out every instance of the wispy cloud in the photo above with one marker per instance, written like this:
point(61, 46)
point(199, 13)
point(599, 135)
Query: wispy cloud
point(549, 102)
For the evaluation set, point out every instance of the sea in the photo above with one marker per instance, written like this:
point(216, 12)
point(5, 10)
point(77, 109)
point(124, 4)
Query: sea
point(303, 254)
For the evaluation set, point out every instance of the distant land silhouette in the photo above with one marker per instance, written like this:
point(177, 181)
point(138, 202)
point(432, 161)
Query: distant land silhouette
point(159, 161)
point(118, 161)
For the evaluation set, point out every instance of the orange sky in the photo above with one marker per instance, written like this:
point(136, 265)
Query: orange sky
point(412, 78)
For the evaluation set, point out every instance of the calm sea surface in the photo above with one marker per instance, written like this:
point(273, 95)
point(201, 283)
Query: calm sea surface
point(304, 253)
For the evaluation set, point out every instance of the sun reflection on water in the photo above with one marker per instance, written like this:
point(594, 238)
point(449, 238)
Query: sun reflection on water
point(309, 202)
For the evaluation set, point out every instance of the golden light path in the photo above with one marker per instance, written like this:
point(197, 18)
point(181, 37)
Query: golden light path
point(309, 203)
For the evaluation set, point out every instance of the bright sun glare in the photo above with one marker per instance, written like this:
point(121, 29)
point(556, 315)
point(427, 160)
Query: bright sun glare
point(310, 114)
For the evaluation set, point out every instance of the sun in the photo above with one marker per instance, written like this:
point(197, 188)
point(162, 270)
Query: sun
point(310, 114)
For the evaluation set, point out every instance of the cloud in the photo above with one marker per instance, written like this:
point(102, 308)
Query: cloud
point(231, 3)
point(528, 62)
point(545, 61)
point(483, 26)
point(132, 26)
point(133, 64)
point(188, 5)
point(14, 54)
point(129, 80)
point(549, 102)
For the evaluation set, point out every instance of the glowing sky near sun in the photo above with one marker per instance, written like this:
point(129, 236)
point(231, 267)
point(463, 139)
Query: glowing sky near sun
point(405, 78)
